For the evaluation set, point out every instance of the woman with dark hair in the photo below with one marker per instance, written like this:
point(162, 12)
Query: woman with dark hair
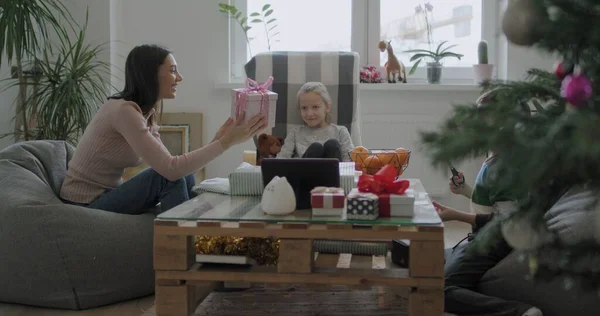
point(123, 133)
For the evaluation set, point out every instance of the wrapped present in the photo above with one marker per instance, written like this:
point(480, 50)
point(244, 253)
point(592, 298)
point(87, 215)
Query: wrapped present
point(397, 205)
point(246, 179)
point(254, 99)
point(393, 198)
point(384, 181)
point(362, 206)
point(327, 201)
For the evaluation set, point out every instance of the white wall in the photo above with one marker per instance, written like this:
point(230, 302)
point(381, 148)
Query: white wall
point(198, 36)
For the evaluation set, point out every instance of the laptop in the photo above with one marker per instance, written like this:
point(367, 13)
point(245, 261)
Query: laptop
point(303, 174)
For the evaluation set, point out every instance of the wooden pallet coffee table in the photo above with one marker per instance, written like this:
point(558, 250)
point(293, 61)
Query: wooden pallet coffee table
point(182, 283)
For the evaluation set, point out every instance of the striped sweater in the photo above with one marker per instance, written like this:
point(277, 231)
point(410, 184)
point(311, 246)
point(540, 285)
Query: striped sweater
point(119, 137)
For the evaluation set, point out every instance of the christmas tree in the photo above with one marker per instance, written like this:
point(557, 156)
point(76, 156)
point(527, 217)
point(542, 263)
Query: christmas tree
point(545, 134)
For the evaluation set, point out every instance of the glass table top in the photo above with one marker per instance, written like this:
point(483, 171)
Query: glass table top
point(227, 208)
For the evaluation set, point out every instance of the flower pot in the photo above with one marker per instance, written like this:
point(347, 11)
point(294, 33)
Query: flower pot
point(434, 72)
point(483, 72)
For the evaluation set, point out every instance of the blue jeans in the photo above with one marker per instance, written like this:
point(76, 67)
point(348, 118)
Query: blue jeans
point(143, 192)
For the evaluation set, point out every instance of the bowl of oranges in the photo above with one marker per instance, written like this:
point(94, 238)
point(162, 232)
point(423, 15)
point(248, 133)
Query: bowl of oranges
point(370, 161)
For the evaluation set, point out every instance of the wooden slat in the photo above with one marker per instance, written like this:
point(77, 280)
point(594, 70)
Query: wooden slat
point(362, 262)
point(175, 300)
point(277, 230)
point(268, 274)
point(169, 282)
point(385, 227)
point(426, 302)
point(295, 226)
point(159, 222)
point(208, 224)
point(257, 225)
point(172, 252)
point(439, 229)
point(344, 261)
point(339, 226)
point(324, 260)
point(426, 259)
point(295, 256)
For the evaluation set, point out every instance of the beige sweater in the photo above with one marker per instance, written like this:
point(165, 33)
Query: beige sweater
point(119, 137)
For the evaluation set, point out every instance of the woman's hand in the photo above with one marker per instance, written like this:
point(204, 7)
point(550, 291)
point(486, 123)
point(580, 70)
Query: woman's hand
point(240, 132)
point(464, 189)
point(223, 129)
point(445, 213)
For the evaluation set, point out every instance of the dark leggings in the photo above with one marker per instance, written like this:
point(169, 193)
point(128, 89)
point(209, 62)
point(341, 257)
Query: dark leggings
point(330, 149)
point(463, 271)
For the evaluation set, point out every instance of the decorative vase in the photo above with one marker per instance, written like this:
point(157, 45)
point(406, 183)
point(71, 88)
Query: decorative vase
point(434, 72)
point(483, 72)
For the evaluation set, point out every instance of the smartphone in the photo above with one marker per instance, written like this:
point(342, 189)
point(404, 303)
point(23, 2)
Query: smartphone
point(455, 174)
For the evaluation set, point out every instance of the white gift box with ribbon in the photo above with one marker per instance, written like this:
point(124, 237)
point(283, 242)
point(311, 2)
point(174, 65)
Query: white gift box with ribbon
point(255, 99)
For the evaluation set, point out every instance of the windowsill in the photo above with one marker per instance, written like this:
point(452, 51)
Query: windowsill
point(465, 87)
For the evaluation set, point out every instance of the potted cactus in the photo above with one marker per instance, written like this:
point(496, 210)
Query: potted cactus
point(482, 71)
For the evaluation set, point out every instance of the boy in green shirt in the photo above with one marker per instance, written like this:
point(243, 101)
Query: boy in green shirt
point(465, 269)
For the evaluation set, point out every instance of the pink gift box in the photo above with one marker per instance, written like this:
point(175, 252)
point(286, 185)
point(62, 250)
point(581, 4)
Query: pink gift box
point(255, 99)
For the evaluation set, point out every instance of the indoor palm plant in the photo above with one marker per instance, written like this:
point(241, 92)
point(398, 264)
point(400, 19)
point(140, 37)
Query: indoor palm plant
point(25, 27)
point(68, 82)
point(434, 67)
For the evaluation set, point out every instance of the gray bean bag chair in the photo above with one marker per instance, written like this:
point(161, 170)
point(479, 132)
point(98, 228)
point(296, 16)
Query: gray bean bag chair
point(63, 256)
point(573, 219)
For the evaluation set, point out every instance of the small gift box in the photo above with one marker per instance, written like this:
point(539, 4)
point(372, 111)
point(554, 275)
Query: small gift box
point(362, 206)
point(254, 99)
point(394, 200)
point(327, 201)
point(397, 205)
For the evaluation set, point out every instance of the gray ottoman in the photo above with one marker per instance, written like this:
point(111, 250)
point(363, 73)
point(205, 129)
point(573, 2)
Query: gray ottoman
point(64, 256)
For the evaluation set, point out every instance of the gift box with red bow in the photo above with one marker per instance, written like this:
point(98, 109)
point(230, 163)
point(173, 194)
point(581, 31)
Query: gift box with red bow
point(394, 197)
point(397, 205)
point(327, 201)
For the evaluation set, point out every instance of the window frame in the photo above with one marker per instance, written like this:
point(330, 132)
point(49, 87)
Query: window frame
point(366, 31)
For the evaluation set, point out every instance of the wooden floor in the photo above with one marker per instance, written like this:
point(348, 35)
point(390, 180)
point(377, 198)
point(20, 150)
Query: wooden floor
point(143, 306)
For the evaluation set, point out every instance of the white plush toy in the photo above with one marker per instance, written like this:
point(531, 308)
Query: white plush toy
point(278, 197)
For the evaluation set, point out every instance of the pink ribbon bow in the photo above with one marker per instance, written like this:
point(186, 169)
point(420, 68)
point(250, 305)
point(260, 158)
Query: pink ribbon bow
point(254, 86)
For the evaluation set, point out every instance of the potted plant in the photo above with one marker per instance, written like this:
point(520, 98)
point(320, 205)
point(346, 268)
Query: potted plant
point(434, 67)
point(69, 82)
point(482, 71)
point(25, 26)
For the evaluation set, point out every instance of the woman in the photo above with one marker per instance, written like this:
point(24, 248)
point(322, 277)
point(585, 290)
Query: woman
point(124, 133)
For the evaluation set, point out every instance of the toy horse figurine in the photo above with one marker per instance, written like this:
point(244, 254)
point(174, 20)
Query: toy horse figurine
point(393, 66)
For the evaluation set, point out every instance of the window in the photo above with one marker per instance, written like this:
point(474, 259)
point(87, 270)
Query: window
point(357, 25)
point(303, 25)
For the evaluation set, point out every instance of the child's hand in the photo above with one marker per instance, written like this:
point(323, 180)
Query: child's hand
point(464, 189)
point(445, 213)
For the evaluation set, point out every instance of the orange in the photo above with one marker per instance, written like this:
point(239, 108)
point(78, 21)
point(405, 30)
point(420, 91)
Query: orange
point(372, 164)
point(359, 154)
point(403, 154)
point(388, 157)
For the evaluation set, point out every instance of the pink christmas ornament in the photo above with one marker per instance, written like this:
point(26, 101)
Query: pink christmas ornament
point(576, 89)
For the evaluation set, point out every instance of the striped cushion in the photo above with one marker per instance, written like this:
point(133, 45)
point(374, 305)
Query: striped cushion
point(338, 71)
